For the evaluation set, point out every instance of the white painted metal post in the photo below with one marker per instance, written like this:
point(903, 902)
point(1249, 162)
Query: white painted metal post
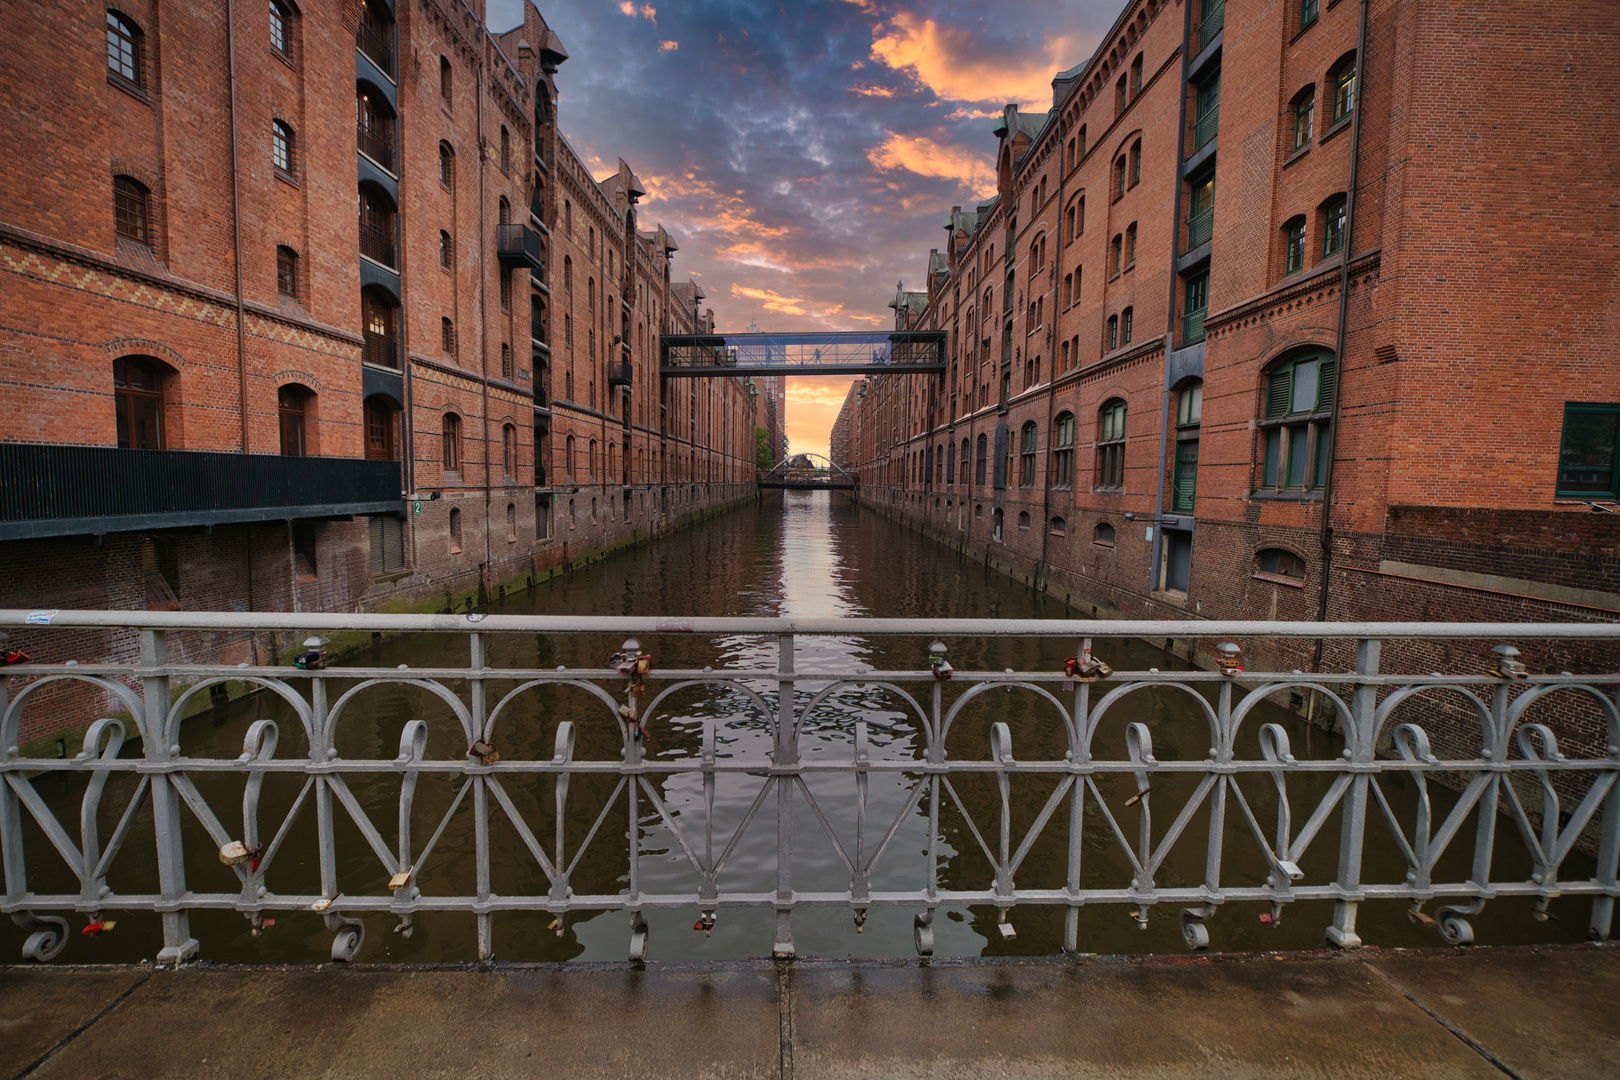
point(1358, 741)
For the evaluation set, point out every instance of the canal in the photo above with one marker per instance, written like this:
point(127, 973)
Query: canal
point(799, 554)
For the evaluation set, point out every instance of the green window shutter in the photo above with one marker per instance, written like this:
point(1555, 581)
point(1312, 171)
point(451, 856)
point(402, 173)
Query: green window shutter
point(1328, 385)
point(1278, 390)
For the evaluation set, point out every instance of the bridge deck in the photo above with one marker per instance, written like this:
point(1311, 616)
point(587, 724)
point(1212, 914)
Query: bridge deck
point(1531, 1012)
point(888, 353)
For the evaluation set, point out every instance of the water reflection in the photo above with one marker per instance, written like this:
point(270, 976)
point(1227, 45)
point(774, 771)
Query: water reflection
point(797, 554)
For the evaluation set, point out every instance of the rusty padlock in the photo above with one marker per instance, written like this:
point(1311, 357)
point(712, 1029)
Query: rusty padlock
point(484, 752)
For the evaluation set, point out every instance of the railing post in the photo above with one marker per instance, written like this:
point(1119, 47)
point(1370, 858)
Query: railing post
point(486, 920)
point(785, 767)
point(11, 848)
point(1358, 742)
point(1608, 860)
point(178, 944)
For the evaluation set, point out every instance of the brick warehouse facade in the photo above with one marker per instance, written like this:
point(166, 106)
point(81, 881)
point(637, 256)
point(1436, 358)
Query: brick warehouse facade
point(1342, 345)
point(450, 392)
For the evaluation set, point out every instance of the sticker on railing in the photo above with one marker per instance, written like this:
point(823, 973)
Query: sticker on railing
point(41, 618)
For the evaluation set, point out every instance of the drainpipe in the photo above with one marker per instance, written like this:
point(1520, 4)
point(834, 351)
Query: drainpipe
point(236, 220)
point(1155, 552)
point(483, 321)
point(1326, 535)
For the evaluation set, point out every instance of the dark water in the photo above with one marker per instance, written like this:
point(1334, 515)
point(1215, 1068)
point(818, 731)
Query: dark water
point(800, 554)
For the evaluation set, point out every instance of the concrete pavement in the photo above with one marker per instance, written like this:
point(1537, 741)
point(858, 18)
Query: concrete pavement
point(1531, 1012)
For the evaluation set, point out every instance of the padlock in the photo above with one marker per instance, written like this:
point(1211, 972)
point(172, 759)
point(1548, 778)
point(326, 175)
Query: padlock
point(260, 924)
point(1508, 665)
point(937, 663)
point(643, 664)
point(399, 881)
point(98, 927)
point(639, 690)
point(484, 752)
point(12, 656)
point(1230, 658)
point(237, 852)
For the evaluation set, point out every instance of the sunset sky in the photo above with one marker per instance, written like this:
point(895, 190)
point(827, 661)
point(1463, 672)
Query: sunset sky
point(804, 155)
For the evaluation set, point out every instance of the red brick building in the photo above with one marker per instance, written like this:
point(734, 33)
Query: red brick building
point(1343, 344)
point(227, 388)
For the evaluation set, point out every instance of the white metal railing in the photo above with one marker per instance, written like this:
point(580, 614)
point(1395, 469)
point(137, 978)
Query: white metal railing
point(1513, 751)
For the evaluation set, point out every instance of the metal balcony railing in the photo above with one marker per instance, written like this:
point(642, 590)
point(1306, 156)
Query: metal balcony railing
point(80, 490)
point(379, 49)
point(1175, 830)
point(1210, 24)
point(377, 146)
point(621, 373)
point(376, 244)
point(519, 245)
point(1192, 327)
point(1205, 126)
point(380, 350)
point(1200, 227)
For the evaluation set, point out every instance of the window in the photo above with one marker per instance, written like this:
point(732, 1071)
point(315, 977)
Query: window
point(1023, 521)
point(281, 147)
point(1195, 305)
point(452, 442)
point(447, 252)
point(1117, 249)
point(1200, 211)
point(506, 290)
point(1111, 341)
point(509, 450)
point(446, 87)
point(376, 226)
point(1063, 449)
point(281, 29)
point(1026, 463)
point(455, 531)
point(1294, 433)
point(511, 523)
point(377, 328)
point(1294, 245)
point(1281, 563)
point(1119, 177)
point(374, 126)
point(138, 398)
point(123, 48)
point(292, 404)
point(387, 543)
point(1111, 445)
point(1586, 454)
point(1136, 162)
point(1344, 90)
point(1307, 12)
point(447, 166)
point(568, 217)
point(1333, 214)
point(1068, 290)
point(568, 280)
point(1057, 526)
point(380, 443)
point(1189, 414)
point(1130, 246)
point(1303, 115)
point(287, 272)
point(506, 151)
point(1136, 76)
point(1207, 106)
point(506, 361)
point(1103, 534)
point(447, 336)
point(979, 460)
point(1121, 97)
point(1125, 321)
point(130, 209)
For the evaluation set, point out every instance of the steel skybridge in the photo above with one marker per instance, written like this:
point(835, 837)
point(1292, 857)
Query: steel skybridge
point(911, 352)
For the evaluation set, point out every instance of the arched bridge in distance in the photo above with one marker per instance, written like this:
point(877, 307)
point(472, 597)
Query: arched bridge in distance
point(807, 472)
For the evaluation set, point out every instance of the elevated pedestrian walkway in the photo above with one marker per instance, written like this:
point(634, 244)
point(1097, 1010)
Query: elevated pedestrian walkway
point(1530, 1012)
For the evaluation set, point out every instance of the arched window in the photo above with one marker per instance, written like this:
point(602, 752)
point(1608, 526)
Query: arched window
point(1026, 453)
point(1294, 244)
point(1302, 117)
point(131, 209)
point(590, 294)
point(1130, 245)
point(447, 166)
point(451, 439)
point(1119, 177)
point(504, 210)
point(374, 125)
point(124, 48)
point(287, 271)
point(1116, 249)
point(1103, 534)
point(375, 36)
point(283, 149)
point(138, 398)
point(1126, 319)
point(1121, 96)
point(1111, 342)
point(377, 317)
point(568, 462)
point(382, 432)
point(509, 450)
point(1333, 216)
point(1063, 448)
point(447, 252)
point(455, 531)
point(511, 523)
point(506, 361)
point(568, 217)
point(568, 280)
point(981, 454)
point(1136, 162)
point(592, 460)
point(1111, 444)
point(293, 409)
point(447, 336)
point(281, 29)
point(446, 86)
point(1344, 88)
point(1057, 526)
point(1023, 521)
point(506, 151)
point(1136, 76)
point(1279, 562)
point(1295, 433)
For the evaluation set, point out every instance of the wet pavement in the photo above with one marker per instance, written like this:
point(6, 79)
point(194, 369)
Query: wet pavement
point(1522, 1011)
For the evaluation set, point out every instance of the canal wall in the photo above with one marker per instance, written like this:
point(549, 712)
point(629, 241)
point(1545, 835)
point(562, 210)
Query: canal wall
point(268, 568)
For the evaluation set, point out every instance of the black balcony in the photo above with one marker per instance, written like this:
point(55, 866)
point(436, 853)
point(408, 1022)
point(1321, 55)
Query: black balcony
point(380, 350)
point(378, 145)
point(518, 245)
point(89, 490)
point(377, 244)
point(621, 374)
point(376, 42)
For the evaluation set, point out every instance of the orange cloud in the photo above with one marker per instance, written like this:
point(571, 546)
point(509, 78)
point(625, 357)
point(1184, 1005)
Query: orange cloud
point(872, 91)
point(668, 46)
point(646, 11)
point(950, 62)
point(772, 301)
point(925, 157)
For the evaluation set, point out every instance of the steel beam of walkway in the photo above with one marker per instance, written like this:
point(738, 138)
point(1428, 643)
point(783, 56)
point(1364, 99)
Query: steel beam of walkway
point(915, 352)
